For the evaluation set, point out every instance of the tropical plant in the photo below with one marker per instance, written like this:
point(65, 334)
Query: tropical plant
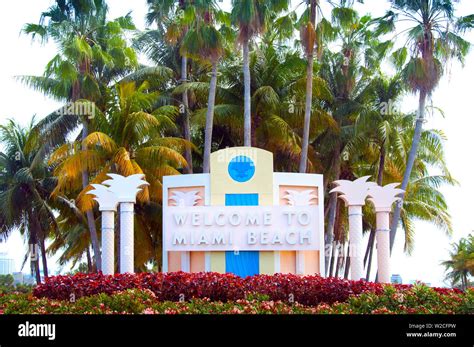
point(351, 53)
point(92, 52)
point(308, 39)
point(25, 185)
point(174, 18)
point(252, 18)
point(204, 42)
point(129, 140)
point(433, 37)
point(319, 102)
point(461, 265)
point(277, 91)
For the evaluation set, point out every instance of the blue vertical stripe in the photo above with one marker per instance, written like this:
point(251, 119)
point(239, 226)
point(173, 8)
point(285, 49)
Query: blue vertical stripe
point(245, 263)
point(241, 199)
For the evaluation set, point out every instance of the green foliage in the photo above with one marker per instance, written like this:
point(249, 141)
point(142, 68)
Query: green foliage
point(136, 123)
point(460, 268)
point(7, 286)
point(416, 300)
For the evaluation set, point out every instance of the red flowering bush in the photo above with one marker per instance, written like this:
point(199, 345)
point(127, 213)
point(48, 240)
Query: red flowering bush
point(179, 286)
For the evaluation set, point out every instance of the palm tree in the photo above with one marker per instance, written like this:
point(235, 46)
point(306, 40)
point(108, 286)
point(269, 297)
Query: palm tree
point(423, 200)
point(173, 18)
point(390, 134)
point(93, 52)
point(308, 38)
point(251, 16)
point(73, 237)
point(25, 186)
point(277, 92)
point(378, 133)
point(130, 139)
point(461, 264)
point(203, 42)
point(433, 38)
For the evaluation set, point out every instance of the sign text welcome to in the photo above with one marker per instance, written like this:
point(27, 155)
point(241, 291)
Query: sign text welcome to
point(240, 228)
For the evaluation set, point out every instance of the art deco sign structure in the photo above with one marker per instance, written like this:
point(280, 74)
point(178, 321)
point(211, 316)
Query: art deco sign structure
point(243, 217)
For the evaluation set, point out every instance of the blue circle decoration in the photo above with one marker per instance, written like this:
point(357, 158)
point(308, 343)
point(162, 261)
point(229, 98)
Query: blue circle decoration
point(241, 168)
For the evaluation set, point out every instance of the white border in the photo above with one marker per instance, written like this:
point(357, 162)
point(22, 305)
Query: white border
point(181, 181)
point(298, 179)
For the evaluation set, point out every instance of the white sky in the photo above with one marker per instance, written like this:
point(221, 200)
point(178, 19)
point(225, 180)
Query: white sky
point(453, 96)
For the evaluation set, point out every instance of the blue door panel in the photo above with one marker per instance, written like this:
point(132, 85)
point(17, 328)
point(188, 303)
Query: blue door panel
point(244, 263)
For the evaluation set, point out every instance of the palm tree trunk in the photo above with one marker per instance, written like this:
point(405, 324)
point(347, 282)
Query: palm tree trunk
point(329, 237)
point(411, 160)
point(76, 94)
point(43, 258)
point(340, 259)
point(186, 128)
point(247, 109)
point(210, 119)
point(34, 261)
point(348, 261)
point(332, 261)
point(36, 266)
point(40, 241)
point(331, 218)
point(309, 95)
point(90, 213)
point(89, 260)
point(307, 114)
point(381, 165)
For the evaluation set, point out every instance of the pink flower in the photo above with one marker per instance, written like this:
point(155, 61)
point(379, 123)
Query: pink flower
point(149, 310)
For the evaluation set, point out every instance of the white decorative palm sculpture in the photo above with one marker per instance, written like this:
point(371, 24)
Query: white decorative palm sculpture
point(185, 198)
point(126, 187)
point(107, 200)
point(383, 199)
point(354, 194)
point(107, 205)
point(303, 198)
point(126, 190)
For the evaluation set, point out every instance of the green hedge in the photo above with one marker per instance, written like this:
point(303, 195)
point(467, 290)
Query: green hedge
point(417, 300)
point(7, 286)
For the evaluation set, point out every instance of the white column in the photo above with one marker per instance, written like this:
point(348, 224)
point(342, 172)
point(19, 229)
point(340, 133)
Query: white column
point(108, 242)
point(108, 201)
point(355, 237)
point(383, 246)
point(126, 237)
point(354, 194)
point(383, 198)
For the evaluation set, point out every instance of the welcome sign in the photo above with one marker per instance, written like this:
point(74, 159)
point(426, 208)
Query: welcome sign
point(243, 217)
point(225, 228)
